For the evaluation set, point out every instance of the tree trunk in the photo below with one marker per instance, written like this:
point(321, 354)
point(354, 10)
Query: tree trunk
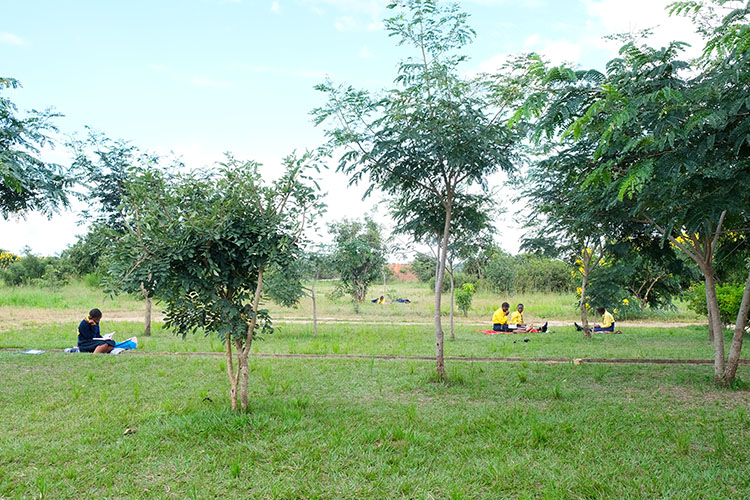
point(715, 325)
point(739, 332)
point(440, 275)
point(453, 288)
point(385, 277)
point(584, 313)
point(147, 318)
point(244, 351)
point(230, 373)
point(315, 307)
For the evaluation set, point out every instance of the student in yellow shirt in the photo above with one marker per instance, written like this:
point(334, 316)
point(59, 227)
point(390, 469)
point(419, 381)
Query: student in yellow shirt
point(500, 318)
point(517, 319)
point(608, 322)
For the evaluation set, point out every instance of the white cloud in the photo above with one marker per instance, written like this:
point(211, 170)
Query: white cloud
point(276, 7)
point(562, 51)
point(364, 52)
point(531, 40)
point(616, 16)
point(11, 39)
point(209, 82)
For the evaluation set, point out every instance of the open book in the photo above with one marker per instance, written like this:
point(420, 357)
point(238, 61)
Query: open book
point(105, 337)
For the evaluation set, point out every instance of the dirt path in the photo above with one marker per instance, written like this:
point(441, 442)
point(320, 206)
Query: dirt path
point(478, 359)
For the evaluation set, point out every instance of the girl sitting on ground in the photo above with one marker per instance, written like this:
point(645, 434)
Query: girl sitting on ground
point(90, 337)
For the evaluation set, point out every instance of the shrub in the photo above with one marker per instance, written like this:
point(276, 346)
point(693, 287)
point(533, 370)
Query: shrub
point(729, 297)
point(463, 297)
point(537, 274)
point(24, 271)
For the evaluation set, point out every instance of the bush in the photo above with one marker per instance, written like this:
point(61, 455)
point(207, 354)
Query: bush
point(463, 297)
point(537, 274)
point(729, 298)
point(24, 271)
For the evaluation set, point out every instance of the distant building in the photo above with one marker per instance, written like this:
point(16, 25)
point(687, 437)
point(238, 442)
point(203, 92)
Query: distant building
point(402, 272)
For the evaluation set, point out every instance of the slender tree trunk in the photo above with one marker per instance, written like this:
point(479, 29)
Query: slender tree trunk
point(385, 277)
point(716, 327)
point(438, 293)
point(230, 373)
point(315, 307)
point(453, 288)
point(584, 313)
point(244, 351)
point(147, 319)
point(739, 332)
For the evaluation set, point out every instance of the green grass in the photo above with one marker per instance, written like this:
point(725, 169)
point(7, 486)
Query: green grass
point(539, 306)
point(74, 295)
point(366, 429)
point(689, 342)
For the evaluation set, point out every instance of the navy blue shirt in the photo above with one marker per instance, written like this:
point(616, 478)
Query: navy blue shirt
point(87, 331)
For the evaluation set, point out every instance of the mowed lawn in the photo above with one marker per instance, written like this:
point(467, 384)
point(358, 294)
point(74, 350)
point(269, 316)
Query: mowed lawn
point(687, 342)
point(78, 426)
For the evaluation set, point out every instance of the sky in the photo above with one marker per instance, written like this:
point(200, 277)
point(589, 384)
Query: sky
point(198, 78)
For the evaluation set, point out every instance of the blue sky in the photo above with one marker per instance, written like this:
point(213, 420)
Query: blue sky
point(201, 77)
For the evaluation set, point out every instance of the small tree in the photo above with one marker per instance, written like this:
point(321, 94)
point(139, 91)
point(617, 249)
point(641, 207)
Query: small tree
point(105, 166)
point(431, 138)
point(358, 256)
point(26, 181)
point(213, 236)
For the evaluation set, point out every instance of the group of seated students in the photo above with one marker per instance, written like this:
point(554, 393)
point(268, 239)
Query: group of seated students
point(515, 324)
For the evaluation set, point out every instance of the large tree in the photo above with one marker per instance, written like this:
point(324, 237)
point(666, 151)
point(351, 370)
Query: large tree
point(433, 136)
point(665, 143)
point(212, 236)
point(27, 182)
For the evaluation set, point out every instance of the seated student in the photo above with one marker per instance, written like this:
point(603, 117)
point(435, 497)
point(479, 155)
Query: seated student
point(607, 325)
point(608, 322)
point(517, 319)
point(500, 319)
point(89, 335)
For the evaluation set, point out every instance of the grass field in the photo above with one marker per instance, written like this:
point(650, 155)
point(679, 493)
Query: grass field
point(137, 427)
point(130, 426)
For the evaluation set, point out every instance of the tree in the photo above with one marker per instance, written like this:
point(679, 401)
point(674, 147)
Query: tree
point(664, 142)
point(285, 284)
point(432, 137)
point(212, 236)
point(26, 181)
point(105, 166)
point(358, 256)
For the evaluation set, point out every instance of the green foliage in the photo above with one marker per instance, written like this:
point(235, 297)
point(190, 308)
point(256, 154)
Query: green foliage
point(210, 237)
point(26, 182)
point(535, 274)
point(85, 255)
point(464, 296)
point(729, 296)
point(424, 267)
point(27, 270)
point(358, 256)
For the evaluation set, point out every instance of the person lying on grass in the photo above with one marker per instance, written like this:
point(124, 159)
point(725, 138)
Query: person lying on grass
point(607, 325)
point(90, 337)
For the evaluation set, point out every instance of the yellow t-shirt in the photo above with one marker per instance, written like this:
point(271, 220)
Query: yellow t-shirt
point(516, 318)
point(607, 319)
point(500, 318)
